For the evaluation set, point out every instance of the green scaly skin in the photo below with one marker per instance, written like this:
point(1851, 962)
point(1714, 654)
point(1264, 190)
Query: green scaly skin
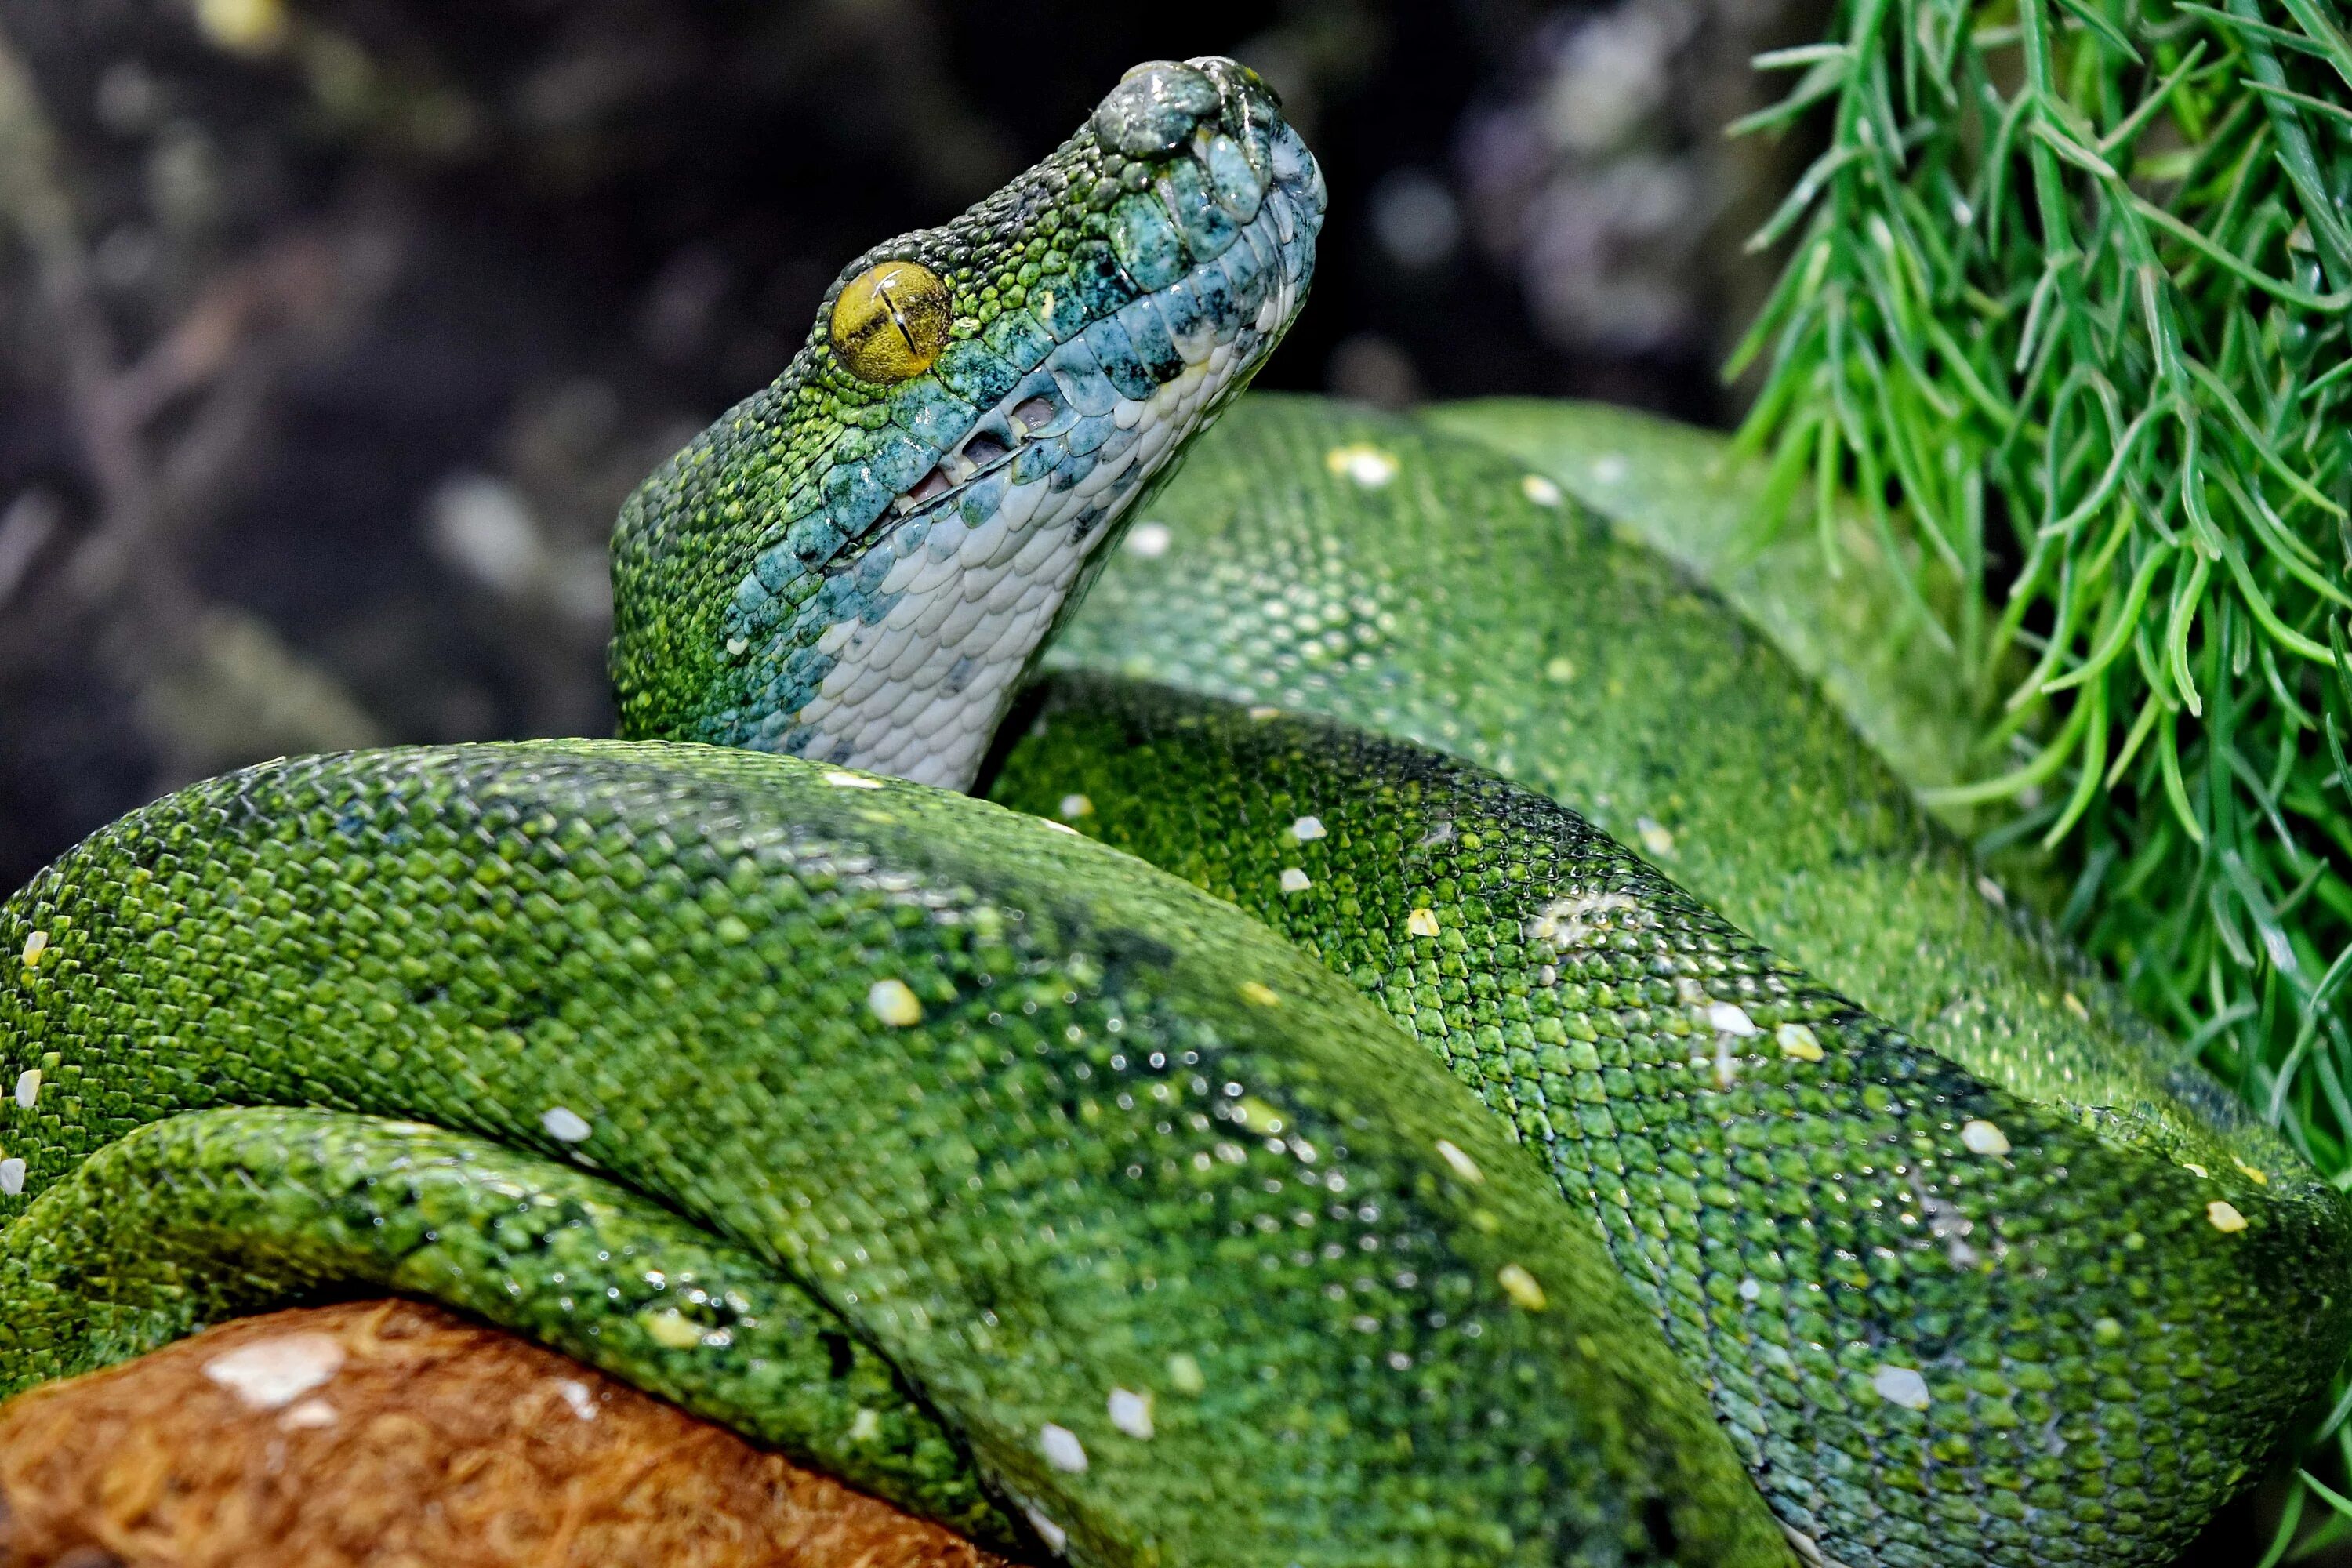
point(1156, 1232)
point(1859, 631)
point(1930, 1314)
point(1863, 629)
point(1132, 1143)
point(1448, 606)
point(207, 1215)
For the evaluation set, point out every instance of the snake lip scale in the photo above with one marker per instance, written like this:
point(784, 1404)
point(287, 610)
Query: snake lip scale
point(1198, 1204)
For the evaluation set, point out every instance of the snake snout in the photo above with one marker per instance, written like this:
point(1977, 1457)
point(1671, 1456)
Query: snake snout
point(1155, 109)
point(1159, 105)
point(1215, 111)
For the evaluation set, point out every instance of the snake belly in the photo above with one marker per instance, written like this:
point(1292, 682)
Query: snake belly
point(1024, 1184)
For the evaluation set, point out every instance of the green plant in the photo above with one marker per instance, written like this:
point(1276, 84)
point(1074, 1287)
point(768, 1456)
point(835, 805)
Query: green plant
point(2067, 308)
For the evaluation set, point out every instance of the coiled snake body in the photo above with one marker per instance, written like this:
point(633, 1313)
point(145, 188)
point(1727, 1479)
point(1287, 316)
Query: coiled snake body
point(1015, 1179)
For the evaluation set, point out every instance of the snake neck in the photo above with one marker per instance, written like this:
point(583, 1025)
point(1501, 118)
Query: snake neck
point(861, 573)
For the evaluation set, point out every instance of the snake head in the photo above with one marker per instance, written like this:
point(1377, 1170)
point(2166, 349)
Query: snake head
point(857, 564)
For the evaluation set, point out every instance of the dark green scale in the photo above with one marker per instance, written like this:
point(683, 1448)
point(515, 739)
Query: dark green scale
point(212, 1214)
point(1929, 1313)
point(1447, 604)
point(1042, 1125)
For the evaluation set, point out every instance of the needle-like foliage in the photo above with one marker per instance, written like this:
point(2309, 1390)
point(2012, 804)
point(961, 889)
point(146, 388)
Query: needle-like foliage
point(2068, 308)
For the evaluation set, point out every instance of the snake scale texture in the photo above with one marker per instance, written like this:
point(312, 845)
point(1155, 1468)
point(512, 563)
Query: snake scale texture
point(1296, 1133)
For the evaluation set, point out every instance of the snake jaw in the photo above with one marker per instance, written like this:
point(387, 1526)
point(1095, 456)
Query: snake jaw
point(907, 549)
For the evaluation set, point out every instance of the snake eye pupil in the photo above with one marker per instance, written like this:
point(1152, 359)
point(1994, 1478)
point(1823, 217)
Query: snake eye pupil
point(891, 321)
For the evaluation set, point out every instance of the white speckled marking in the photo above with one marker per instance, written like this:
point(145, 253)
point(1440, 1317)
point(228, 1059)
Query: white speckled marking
point(575, 1395)
point(1306, 829)
point(1520, 1287)
point(1054, 1536)
point(308, 1416)
point(1798, 1040)
point(1984, 1138)
point(1731, 1018)
point(671, 1329)
point(1131, 1413)
point(894, 1002)
point(1295, 881)
point(1464, 1165)
point(34, 945)
point(565, 1125)
point(1540, 491)
point(1366, 464)
point(11, 1176)
point(2224, 1216)
point(28, 1089)
point(1568, 923)
point(271, 1373)
point(1062, 1448)
point(1609, 469)
point(1900, 1385)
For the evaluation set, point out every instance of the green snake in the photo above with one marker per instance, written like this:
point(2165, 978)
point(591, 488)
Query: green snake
point(1170, 1169)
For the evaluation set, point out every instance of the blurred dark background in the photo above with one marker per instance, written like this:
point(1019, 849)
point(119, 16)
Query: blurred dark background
point(332, 333)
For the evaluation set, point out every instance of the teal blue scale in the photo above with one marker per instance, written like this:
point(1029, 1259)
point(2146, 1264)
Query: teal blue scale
point(783, 607)
point(1182, 258)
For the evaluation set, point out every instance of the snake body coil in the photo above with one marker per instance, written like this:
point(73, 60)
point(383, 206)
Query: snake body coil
point(1021, 1182)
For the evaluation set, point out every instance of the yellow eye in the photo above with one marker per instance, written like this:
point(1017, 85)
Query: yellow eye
point(891, 321)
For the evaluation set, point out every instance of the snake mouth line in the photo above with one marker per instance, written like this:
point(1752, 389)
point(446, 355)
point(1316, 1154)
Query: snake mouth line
point(1215, 241)
point(886, 631)
point(1097, 375)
